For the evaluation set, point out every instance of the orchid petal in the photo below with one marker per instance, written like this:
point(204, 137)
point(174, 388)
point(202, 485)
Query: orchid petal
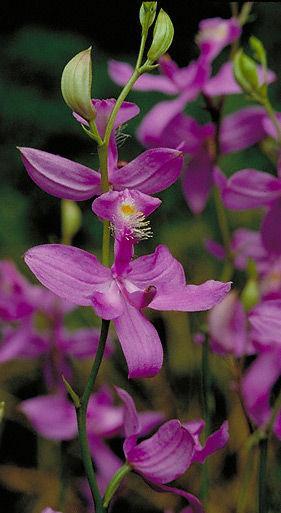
point(108, 304)
point(130, 415)
point(112, 206)
point(216, 33)
point(224, 83)
point(164, 456)
point(52, 416)
point(250, 188)
point(195, 504)
point(82, 343)
point(191, 298)
point(270, 229)
point(151, 172)
point(69, 272)
point(121, 72)
point(103, 110)
point(140, 343)
point(227, 327)
point(59, 176)
point(22, 342)
point(242, 129)
point(198, 180)
point(157, 269)
point(257, 384)
point(266, 323)
point(155, 122)
point(214, 442)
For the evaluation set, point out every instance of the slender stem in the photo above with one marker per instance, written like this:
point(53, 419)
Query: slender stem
point(206, 384)
point(272, 115)
point(244, 13)
point(246, 476)
point(81, 412)
point(262, 496)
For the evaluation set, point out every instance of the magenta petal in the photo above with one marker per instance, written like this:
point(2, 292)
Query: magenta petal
point(16, 294)
point(155, 122)
point(103, 419)
point(216, 33)
point(149, 420)
point(271, 229)
point(151, 172)
point(228, 328)
point(108, 304)
point(195, 504)
point(257, 384)
point(157, 269)
point(164, 456)
point(242, 129)
point(250, 188)
point(110, 206)
point(130, 415)
point(224, 83)
point(52, 416)
point(266, 323)
point(214, 442)
point(104, 108)
point(69, 272)
point(140, 343)
point(22, 342)
point(82, 343)
point(121, 72)
point(191, 298)
point(198, 180)
point(59, 176)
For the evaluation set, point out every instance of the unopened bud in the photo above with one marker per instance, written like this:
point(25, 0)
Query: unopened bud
point(71, 220)
point(162, 36)
point(245, 72)
point(250, 295)
point(76, 85)
point(147, 15)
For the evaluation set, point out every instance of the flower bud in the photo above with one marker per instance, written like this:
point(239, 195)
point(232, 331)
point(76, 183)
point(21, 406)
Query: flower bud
point(245, 72)
point(250, 295)
point(162, 36)
point(71, 220)
point(76, 85)
point(147, 15)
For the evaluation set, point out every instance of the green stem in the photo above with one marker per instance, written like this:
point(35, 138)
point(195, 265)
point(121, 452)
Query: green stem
point(206, 384)
point(81, 412)
point(222, 220)
point(272, 115)
point(115, 483)
point(262, 497)
point(247, 472)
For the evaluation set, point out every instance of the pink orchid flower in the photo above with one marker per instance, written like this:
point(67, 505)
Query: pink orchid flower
point(121, 293)
point(168, 453)
point(150, 172)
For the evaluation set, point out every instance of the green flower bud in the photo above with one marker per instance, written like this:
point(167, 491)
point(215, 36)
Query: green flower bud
point(76, 85)
point(250, 295)
point(245, 72)
point(163, 34)
point(71, 220)
point(258, 49)
point(147, 15)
